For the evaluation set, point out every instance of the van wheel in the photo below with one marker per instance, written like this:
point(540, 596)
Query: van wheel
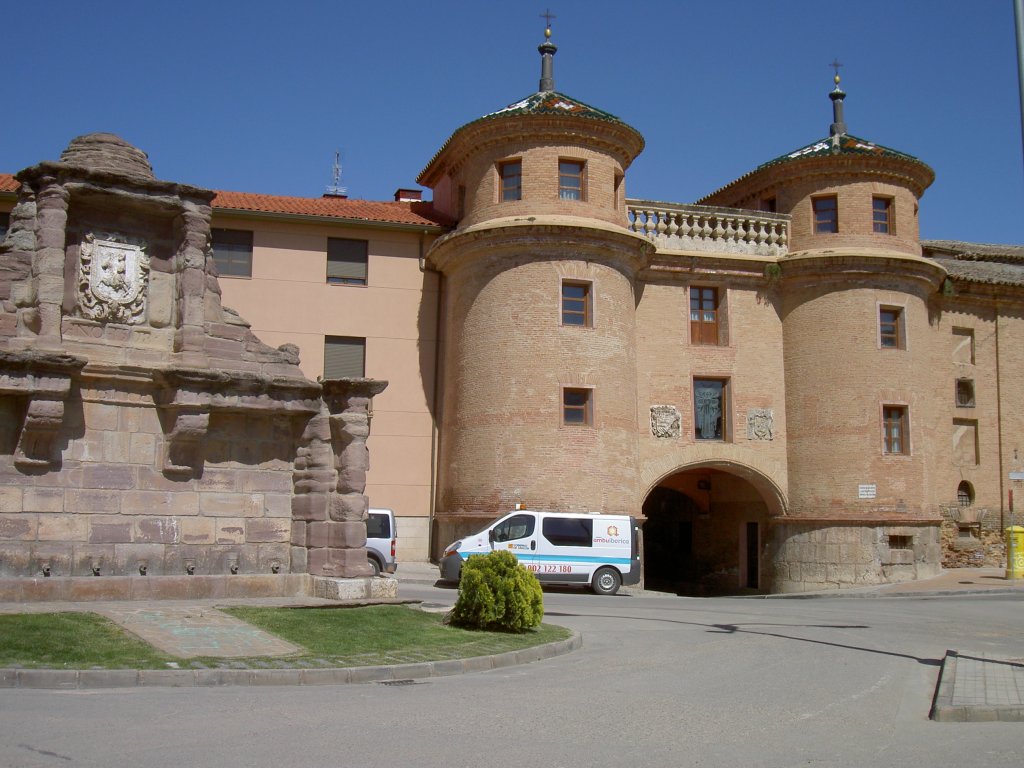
point(374, 565)
point(606, 581)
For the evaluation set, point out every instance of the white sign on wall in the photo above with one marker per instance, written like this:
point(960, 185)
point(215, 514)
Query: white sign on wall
point(867, 491)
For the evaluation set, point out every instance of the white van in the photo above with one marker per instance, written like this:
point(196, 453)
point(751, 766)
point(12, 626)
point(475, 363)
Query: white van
point(381, 541)
point(560, 548)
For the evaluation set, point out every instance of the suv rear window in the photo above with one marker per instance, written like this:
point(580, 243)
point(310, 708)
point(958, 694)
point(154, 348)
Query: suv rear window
point(378, 527)
point(569, 531)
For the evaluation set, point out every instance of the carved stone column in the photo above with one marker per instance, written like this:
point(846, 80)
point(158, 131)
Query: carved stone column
point(48, 269)
point(336, 546)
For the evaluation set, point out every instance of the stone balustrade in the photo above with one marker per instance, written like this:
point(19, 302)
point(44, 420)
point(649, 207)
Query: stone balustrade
point(677, 227)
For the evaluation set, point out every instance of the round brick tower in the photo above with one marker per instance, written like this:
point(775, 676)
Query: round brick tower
point(538, 391)
point(861, 395)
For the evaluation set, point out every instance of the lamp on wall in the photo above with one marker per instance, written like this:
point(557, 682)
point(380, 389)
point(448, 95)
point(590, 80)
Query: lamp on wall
point(704, 484)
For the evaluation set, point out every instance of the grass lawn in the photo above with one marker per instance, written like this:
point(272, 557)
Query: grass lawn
point(331, 637)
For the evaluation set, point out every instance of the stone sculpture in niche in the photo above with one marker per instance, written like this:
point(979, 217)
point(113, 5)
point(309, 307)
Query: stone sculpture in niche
point(665, 421)
point(112, 279)
point(760, 424)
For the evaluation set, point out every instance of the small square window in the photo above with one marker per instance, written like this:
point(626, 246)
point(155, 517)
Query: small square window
point(895, 435)
point(511, 174)
point(965, 393)
point(344, 357)
point(576, 307)
point(826, 214)
point(570, 179)
point(901, 542)
point(881, 215)
point(710, 408)
point(346, 261)
point(891, 332)
point(704, 316)
point(577, 406)
point(232, 251)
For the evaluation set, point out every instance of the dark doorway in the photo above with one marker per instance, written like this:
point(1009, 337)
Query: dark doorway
point(752, 544)
point(669, 560)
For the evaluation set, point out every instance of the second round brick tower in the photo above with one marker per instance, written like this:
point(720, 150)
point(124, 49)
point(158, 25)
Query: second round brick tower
point(858, 306)
point(538, 391)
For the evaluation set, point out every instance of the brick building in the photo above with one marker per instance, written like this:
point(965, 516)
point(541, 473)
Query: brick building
point(789, 386)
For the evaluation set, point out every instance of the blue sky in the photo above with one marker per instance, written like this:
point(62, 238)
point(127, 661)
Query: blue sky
point(257, 96)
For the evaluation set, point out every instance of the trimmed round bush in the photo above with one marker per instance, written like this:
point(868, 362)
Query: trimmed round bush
point(498, 593)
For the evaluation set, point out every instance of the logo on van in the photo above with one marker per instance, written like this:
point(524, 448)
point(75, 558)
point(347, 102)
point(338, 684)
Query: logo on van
point(613, 530)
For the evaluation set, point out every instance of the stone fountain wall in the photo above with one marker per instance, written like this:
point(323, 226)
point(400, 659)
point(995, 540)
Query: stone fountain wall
point(144, 429)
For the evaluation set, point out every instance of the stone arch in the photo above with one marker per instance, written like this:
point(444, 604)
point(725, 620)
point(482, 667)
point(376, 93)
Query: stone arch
point(705, 526)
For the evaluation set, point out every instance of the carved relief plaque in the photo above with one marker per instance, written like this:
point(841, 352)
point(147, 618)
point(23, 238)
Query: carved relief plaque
point(113, 277)
point(665, 421)
point(760, 424)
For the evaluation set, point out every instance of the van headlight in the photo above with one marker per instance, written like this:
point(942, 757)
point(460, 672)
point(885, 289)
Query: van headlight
point(451, 549)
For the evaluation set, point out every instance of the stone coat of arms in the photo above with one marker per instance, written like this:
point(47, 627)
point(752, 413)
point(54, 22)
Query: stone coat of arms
point(112, 279)
point(665, 421)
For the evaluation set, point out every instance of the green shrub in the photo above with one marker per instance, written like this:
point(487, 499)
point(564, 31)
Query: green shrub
point(498, 593)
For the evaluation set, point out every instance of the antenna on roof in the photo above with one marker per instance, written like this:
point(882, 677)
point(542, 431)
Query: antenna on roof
point(336, 190)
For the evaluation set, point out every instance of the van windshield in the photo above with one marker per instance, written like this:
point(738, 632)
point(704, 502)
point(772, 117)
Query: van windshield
point(516, 527)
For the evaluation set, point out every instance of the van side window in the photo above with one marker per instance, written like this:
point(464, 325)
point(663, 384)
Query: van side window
point(569, 531)
point(516, 527)
point(377, 527)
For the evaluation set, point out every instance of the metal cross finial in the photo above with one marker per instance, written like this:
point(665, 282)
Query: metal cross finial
point(836, 65)
point(548, 16)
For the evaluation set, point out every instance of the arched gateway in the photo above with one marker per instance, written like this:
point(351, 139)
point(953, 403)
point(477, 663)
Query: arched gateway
point(705, 530)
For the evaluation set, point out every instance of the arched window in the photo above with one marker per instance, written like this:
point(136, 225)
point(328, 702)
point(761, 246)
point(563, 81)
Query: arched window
point(965, 494)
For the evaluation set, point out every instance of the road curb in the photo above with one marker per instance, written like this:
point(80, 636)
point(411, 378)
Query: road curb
point(71, 679)
point(945, 711)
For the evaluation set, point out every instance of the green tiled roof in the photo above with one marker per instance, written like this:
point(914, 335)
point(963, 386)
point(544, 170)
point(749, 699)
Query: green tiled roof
point(846, 145)
point(552, 103)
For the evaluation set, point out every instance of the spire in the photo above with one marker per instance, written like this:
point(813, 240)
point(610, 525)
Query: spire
point(547, 57)
point(838, 127)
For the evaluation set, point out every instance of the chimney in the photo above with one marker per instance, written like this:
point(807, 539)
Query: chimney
point(408, 195)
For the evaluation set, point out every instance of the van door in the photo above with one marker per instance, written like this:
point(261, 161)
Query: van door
point(518, 535)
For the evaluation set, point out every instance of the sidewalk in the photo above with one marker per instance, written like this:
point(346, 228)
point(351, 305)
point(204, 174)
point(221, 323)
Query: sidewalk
point(970, 687)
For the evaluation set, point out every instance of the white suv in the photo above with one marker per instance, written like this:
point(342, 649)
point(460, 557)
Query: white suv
point(381, 540)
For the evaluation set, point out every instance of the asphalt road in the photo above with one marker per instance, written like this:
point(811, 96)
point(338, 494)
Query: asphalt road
point(660, 681)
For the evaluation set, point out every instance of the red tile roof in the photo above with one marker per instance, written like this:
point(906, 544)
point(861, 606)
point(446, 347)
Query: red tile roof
point(414, 213)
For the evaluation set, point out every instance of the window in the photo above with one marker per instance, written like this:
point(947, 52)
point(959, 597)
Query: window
point(768, 205)
point(894, 430)
point(576, 304)
point(570, 179)
point(826, 214)
point(965, 393)
point(964, 494)
point(378, 526)
point(890, 328)
point(346, 261)
point(710, 406)
point(344, 357)
point(232, 252)
point(703, 315)
point(881, 215)
point(568, 531)
point(963, 346)
point(901, 542)
point(965, 442)
point(5, 224)
point(516, 527)
point(577, 406)
point(511, 174)
point(617, 190)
